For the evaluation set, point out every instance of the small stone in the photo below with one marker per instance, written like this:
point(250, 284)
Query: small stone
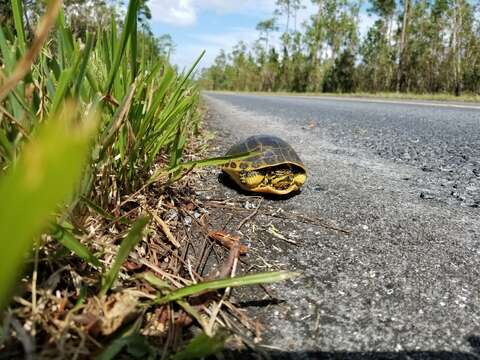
point(426, 196)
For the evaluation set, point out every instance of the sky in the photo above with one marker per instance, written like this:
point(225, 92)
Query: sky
point(212, 25)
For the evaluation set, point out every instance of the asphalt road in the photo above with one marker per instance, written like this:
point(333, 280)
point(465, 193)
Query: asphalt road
point(405, 179)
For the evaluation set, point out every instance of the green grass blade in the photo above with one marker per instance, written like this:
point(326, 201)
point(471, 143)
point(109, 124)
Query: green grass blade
point(202, 346)
point(7, 52)
point(127, 337)
point(137, 348)
point(62, 88)
point(84, 63)
point(126, 32)
point(254, 279)
point(132, 239)
point(216, 161)
point(66, 238)
point(153, 280)
point(194, 65)
point(118, 120)
point(104, 49)
point(92, 81)
point(190, 310)
point(133, 50)
point(97, 209)
point(178, 145)
point(17, 9)
point(7, 150)
point(45, 176)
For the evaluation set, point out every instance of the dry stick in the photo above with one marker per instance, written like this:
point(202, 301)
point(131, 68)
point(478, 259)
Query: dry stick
point(232, 267)
point(34, 285)
point(204, 247)
point(14, 122)
point(165, 229)
point(25, 63)
point(175, 280)
point(119, 118)
point(280, 236)
point(170, 333)
point(251, 215)
point(205, 233)
point(171, 253)
point(312, 222)
point(317, 222)
point(26, 340)
point(244, 319)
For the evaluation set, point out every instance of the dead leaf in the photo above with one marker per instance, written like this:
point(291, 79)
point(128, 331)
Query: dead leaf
point(227, 240)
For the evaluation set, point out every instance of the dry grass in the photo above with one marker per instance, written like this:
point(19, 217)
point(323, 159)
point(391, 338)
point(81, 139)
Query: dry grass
point(57, 312)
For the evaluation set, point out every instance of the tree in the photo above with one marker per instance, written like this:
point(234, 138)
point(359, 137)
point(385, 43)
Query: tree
point(6, 15)
point(166, 46)
point(265, 27)
point(403, 42)
point(341, 77)
point(413, 45)
point(285, 7)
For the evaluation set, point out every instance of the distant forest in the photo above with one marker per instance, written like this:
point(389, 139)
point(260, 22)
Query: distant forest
point(420, 46)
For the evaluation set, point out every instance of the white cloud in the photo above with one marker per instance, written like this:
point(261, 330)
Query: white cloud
point(185, 12)
point(227, 39)
point(176, 12)
point(211, 43)
point(236, 6)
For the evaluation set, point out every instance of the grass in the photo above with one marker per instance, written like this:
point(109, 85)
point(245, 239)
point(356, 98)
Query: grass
point(94, 135)
point(467, 98)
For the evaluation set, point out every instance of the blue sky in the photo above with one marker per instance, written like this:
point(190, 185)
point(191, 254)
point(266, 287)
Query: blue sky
point(215, 24)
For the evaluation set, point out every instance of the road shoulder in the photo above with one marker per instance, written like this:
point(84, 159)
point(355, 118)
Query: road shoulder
point(384, 270)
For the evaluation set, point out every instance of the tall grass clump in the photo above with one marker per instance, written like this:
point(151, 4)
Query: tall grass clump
point(85, 124)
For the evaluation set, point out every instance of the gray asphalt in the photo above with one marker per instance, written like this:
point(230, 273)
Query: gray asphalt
point(405, 179)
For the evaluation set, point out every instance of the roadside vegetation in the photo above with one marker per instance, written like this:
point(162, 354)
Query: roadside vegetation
point(99, 138)
point(413, 47)
point(464, 98)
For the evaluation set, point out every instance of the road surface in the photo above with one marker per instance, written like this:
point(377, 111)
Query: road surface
point(404, 178)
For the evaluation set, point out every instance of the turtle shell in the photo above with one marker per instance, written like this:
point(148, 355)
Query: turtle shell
point(273, 152)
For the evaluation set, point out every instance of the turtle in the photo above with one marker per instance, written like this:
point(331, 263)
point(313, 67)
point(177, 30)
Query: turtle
point(277, 169)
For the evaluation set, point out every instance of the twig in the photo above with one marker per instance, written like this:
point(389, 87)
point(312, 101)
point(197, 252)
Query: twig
point(251, 215)
point(230, 266)
point(26, 340)
point(34, 284)
point(165, 229)
point(228, 240)
point(276, 234)
point(14, 122)
point(317, 222)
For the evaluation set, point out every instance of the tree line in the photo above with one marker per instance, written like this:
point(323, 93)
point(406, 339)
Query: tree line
point(87, 16)
point(422, 46)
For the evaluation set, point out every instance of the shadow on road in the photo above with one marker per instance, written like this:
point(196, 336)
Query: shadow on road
point(474, 342)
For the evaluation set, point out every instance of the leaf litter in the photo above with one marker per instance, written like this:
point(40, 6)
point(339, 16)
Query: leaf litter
point(63, 310)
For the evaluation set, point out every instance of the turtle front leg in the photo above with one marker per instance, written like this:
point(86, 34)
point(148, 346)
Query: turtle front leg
point(299, 179)
point(251, 178)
